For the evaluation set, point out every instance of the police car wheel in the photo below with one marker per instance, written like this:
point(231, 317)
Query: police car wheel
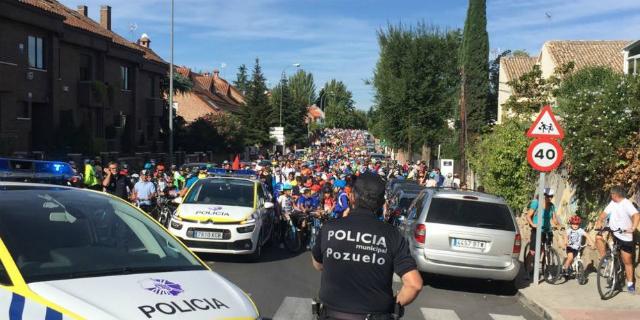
point(255, 256)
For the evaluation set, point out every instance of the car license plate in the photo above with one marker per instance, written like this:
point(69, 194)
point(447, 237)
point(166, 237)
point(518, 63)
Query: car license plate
point(469, 244)
point(208, 235)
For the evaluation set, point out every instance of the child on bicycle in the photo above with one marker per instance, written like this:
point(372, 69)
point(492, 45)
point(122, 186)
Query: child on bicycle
point(573, 241)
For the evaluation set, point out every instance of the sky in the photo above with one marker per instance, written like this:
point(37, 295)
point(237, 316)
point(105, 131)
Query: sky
point(337, 38)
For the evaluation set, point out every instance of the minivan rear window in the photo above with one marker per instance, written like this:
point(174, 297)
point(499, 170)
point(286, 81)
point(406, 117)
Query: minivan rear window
point(469, 213)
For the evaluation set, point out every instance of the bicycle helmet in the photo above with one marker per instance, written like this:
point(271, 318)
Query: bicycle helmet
point(575, 220)
point(287, 186)
point(340, 184)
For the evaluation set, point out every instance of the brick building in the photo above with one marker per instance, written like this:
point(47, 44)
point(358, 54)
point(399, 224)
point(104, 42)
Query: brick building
point(70, 84)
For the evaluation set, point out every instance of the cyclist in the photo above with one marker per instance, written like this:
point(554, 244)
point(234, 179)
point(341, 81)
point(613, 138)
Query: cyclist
point(548, 218)
point(342, 200)
point(624, 216)
point(573, 241)
point(115, 182)
point(144, 192)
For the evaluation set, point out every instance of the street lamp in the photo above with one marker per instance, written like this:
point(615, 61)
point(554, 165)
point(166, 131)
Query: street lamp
point(297, 65)
point(322, 96)
point(171, 92)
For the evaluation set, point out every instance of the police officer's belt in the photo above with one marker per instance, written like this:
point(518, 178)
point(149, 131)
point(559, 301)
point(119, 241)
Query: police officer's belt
point(338, 315)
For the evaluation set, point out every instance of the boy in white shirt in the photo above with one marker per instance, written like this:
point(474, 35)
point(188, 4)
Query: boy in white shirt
point(573, 241)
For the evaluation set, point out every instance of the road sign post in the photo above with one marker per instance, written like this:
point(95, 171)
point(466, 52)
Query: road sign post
point(544, 155)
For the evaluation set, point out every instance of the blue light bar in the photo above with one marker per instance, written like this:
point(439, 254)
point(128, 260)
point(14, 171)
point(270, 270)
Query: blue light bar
point(34, 170)
point(225, 172)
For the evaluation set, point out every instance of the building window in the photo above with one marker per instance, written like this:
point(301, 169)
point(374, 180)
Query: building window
point(125, 78)
point(86, 72)
point(36, 52)
point(634, 64)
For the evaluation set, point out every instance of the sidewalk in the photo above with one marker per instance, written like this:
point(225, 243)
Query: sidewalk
point(571, 301)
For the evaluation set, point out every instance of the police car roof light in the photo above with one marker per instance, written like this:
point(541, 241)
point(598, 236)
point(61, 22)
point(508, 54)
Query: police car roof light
point(23, 168)
point(225, 172)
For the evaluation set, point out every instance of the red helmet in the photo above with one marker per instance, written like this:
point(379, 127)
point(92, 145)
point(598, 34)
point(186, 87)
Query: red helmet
point(575, 220)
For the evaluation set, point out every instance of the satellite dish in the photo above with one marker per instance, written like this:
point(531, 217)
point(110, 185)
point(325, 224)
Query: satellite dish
point(548, 15)
point(133, 27)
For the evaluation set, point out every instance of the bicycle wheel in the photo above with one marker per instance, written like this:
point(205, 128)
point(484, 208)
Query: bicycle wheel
point(581, 274)
point(293, 239)
point(552, 266)
point(606, 280)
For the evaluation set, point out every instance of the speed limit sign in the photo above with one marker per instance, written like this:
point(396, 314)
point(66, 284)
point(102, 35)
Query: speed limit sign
point(544, 154)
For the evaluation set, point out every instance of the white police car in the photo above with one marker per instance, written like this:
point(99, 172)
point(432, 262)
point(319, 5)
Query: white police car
point(88, 255)
point(229, 212)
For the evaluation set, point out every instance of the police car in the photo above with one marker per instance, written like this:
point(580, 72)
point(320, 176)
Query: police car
point(70, 253)
point(228, 212)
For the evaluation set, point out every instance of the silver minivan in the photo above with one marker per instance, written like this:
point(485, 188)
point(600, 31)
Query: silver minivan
point(463, 234)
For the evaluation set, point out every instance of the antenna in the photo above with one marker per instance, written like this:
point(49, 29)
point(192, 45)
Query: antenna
point(132, 28)
point(223, 66)
point(548, 15)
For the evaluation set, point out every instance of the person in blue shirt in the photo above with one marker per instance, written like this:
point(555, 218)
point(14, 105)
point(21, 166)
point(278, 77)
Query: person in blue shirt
point(196, 174)
point(549, 220)
point(342, 201)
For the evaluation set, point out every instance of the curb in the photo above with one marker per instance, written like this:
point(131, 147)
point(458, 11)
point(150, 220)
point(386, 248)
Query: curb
point(538, 308)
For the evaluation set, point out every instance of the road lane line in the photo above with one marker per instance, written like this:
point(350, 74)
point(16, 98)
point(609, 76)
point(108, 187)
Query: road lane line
point(294, 308)
point(439, 314)
point(505, 317)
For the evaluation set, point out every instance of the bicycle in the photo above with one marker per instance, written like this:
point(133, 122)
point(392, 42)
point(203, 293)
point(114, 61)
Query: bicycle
point(611, 274)
point(551, 265)
point(577, 269)
point(315, 222)
point(294, 235)
point(162, 210)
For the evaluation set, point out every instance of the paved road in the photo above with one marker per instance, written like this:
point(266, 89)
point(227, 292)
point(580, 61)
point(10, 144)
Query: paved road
point(283, 284)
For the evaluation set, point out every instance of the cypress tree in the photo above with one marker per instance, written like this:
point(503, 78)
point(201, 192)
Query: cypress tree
point(256, 115)
point(474, 56)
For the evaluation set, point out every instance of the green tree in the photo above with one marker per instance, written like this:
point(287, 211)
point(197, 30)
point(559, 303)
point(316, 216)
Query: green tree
point(415, 83)
point(338, 104)
point(500, 160)
point(303, 88)
point(256, 116)
point(293, 114)
point(474, 58)
point(494, 84)
point(181, 84)
point(242, 80)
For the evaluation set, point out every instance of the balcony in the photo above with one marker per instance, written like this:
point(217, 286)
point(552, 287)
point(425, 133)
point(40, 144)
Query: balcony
point(155, 107)
point(92, 94)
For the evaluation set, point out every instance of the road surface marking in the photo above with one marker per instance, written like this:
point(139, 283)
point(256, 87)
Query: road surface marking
point(505, 317)
point(294, 308)
point(439, 314)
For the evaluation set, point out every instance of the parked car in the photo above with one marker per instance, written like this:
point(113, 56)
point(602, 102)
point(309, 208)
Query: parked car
point(463, 234)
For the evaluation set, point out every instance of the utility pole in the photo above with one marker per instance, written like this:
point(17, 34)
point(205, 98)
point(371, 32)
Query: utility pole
point(171, 92)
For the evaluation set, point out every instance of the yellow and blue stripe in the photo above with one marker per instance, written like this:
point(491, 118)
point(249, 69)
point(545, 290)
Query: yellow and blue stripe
point(14, 306)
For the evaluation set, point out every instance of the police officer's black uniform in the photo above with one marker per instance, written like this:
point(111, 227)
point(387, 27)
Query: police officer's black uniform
point(359, 255)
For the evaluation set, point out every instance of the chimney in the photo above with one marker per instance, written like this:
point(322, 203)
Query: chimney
point(144, 41)
point(83, 10)
point(216, 73)
point(105, 17)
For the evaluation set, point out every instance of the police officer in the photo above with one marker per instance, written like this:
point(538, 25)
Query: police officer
point(358, 256)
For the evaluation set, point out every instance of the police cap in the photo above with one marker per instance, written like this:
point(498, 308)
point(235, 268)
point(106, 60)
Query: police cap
point(370, 184)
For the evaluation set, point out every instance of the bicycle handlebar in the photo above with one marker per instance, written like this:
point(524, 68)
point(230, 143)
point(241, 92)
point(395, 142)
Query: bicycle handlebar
point(619, 230)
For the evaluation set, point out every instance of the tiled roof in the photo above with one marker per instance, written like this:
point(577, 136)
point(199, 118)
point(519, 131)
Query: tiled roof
point(214, 91)
point(606, 53)
point(74, 19)
point(184, 71)
point(515, 67)
point(315, 112)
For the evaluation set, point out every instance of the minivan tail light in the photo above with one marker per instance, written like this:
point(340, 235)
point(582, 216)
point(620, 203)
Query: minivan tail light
point(420, 233)
point(517, 244)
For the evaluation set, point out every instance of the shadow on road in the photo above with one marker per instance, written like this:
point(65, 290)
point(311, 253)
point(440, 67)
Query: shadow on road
point(481, 286)
point(270, 253)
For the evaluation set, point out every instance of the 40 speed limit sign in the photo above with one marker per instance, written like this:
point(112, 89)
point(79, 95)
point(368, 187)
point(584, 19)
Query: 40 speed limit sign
point(544, 154)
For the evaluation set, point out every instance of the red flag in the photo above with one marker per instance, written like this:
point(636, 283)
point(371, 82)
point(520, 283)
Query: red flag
point(236, 163)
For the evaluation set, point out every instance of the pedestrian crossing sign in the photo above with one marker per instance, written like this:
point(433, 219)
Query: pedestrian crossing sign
point(546, 126)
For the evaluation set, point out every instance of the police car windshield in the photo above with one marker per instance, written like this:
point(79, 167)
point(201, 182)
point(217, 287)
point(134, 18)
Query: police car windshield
point(59, 233)
point(222, 191)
